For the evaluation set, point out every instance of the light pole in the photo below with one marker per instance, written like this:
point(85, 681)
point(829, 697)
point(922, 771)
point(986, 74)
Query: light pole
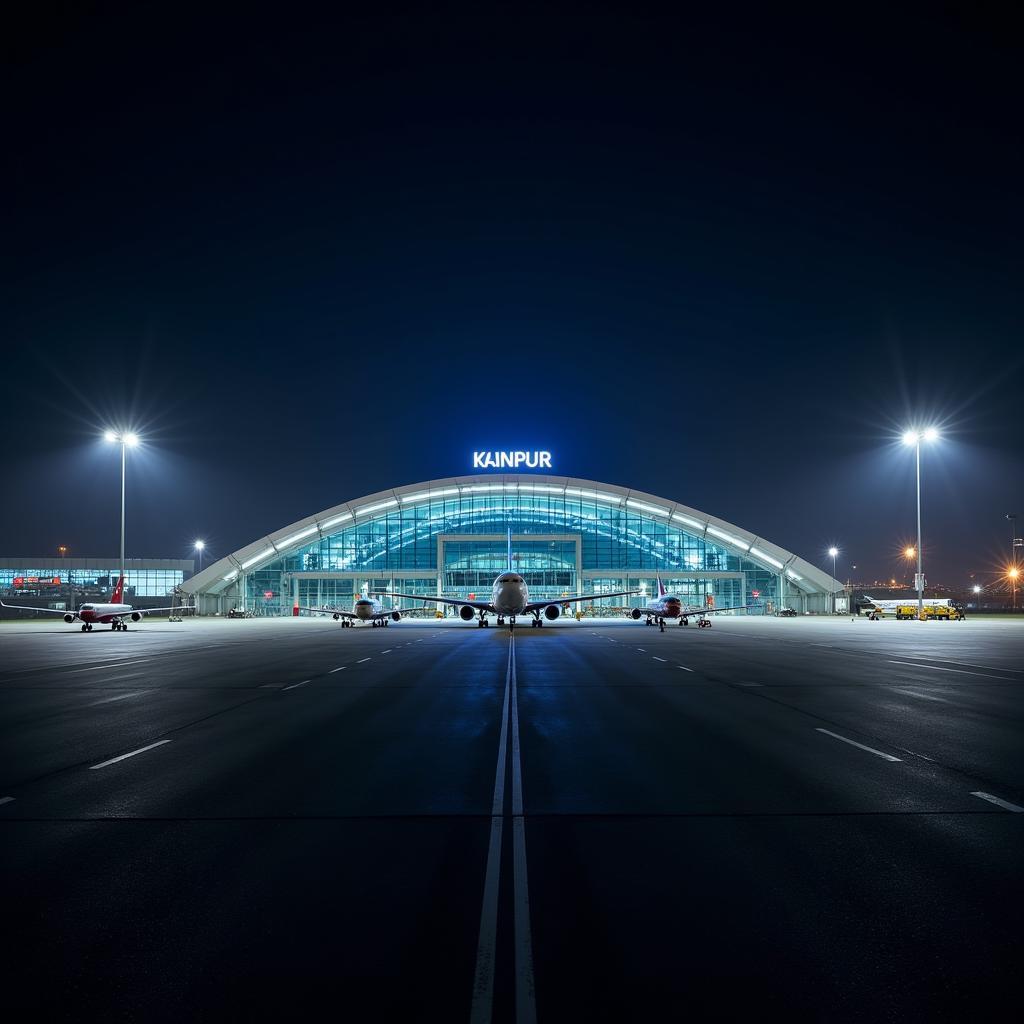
point(833, 552)
point(126, 439)
point(915, 437)
point(1013, 572)
point(199, 546)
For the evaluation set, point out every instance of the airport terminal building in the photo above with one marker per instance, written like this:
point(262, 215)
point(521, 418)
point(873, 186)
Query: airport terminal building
point(448, 538)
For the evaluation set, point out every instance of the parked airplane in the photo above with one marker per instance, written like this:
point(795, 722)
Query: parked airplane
point(365, 609)
point(509, 598)
point(668, 606)
point(115, 613)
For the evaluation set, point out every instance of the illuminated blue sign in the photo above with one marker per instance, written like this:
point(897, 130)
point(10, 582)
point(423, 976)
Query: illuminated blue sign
point(511, 460)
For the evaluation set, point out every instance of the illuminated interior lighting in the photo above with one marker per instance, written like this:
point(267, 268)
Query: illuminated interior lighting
point(336, 519)
point(688, 521)
point(367, 509)
point(287, 542)
point(728, 538)
point(644, 507)
point(266, 553)
point(429, 495)
point(764, 557)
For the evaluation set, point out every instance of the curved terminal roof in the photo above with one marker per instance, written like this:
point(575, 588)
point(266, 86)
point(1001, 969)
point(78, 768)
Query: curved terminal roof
point(799, 572)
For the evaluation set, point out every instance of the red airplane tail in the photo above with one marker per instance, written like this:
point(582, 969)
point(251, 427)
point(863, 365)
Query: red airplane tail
point(661, 586)
point(118, 595)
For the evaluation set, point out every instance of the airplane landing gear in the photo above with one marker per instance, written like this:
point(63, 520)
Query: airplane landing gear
point(483, 623)
point(537, 621)
point(511, 623)
point(501, 620)
point(661, 625)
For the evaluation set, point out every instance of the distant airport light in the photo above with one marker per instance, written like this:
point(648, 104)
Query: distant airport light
point(109, 436)
point(131, 440)
point(833, 552)
point(931, 434)
point(199, 545)
point(976, 588)
point(1013, 572)
point(909, 552)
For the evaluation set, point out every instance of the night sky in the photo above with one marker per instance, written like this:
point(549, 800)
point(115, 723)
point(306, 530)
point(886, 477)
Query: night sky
point(725, 263)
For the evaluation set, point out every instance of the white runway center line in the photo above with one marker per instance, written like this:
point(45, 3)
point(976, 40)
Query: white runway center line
point(854, 743)
point(656, 658)
point(296, 685)
point(6, 799)
point(132, 753)
point(1005, 804)
point(361, 660)
point(481, 1010)
point(340, 668)
point(684, 668)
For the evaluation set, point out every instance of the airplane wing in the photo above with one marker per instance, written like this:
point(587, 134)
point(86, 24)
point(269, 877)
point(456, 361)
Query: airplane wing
point(330, 611)
point(535, 605)
point(714, 611)
point(483, 606)
point(179, 608)
point(31, 608)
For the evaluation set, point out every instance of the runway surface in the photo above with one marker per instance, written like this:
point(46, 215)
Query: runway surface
point(593, 821)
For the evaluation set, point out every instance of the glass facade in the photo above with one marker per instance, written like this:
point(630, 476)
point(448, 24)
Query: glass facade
point(454, 545)
point(80, 581)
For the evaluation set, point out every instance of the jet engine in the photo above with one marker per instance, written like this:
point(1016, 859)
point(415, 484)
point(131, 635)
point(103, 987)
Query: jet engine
point(136, 616)
point(395, 616)
point(552, 612)
point(636, 613)
point(69, 618)
point(466, 613)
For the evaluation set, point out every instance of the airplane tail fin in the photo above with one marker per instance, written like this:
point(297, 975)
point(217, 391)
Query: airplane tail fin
point(661, 586)
point(510, 548)
point(118, 596)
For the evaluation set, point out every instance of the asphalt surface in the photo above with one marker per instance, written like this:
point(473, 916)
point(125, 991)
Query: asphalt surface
point(595, 821)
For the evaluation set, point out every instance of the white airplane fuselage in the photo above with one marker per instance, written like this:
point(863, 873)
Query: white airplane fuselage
point(93, 613)
point(509, 594)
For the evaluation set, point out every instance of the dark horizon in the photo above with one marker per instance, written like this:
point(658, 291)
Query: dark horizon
point(725, 264)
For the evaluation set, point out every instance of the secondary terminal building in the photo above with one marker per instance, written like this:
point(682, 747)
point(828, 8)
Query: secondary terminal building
point(448, 538)
point(61, 583)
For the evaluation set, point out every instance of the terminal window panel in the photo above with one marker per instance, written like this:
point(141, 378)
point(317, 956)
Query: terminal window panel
point(97, 582)
point(612, 537)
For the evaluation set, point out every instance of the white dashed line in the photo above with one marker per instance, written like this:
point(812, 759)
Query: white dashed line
point(295, 685)
point(361, 660)
point(854, 743)
point(922, 696)
point(642, 649)
point(1005, 804)
point(6, 799)
point(939, 668)
point(110, 664)
point(340, 668)
point(684, 668)
point(121, 696)
point(388, 651)
point(656, 658)
point(131, 753)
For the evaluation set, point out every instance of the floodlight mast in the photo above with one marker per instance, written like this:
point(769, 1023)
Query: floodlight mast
point(915, 437)
point(126, 441)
